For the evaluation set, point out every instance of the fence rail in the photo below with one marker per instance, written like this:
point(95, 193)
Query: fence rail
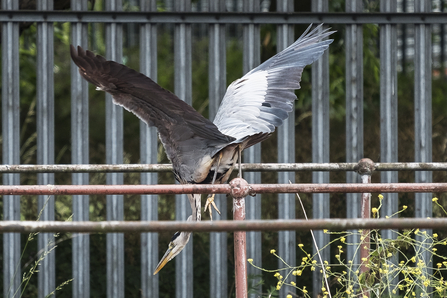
point(220, 188)
point(333, 224)
point(254, 167)
point(253, 18)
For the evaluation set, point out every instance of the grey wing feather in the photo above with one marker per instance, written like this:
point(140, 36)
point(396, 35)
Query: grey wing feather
point(260, 101)
point(182, 130)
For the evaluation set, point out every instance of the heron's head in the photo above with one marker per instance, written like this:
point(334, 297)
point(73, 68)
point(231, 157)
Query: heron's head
point(178, 242)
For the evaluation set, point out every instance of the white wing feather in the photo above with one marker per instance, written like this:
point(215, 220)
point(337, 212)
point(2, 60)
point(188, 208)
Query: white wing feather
point(260, 101)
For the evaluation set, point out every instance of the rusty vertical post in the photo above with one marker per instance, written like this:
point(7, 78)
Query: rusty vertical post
point(365, 168)
point(239, 190)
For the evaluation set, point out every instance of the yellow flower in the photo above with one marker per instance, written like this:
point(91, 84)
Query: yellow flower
point(434, 199)
point(312, 268)
point(348, 292)
point(389, 255)
point(276, 274)
point(435, 235)
point(325, 231)
point(404, 207)
point(439, 265)
point(374, 210)
point(272, 251)
point(304, 290)
point(300, 245)
point(293, 283)
point(380, 197)
point(413, 259)
point(314, 261)
point(364, 259)
point(289, 296)
point(250, 261)
point(343, 239)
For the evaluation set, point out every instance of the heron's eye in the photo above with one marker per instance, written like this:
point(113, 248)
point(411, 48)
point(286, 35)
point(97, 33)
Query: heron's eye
point(175, 236)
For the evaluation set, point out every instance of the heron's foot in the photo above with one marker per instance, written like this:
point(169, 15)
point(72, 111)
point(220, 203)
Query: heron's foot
point(209, 203)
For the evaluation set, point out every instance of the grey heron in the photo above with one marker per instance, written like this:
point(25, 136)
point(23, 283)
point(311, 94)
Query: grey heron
point(202, 151)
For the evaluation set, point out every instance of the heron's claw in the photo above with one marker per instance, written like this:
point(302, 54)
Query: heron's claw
point(209, 203)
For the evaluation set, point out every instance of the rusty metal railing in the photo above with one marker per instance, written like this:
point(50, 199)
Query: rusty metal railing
point(238, 189)
point(266, 167)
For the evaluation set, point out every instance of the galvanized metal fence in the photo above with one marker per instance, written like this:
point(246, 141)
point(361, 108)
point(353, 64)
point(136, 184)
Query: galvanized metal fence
point(248, 15)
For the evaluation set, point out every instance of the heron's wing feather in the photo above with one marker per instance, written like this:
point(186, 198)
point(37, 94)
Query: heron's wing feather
point(183, 131)
point(261, 100)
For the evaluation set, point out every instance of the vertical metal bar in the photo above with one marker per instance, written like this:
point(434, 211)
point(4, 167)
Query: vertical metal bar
point(354, 117)
point(388, 113)
point(320, 142)
point(423, 124)
point(80, 155)
point(365, 169)
point(286, 154)
point(442, 43)
point(217, 87)
point(45, 147)
point(388, 108)
point(365, 243)
point(239, 190)
point(251, 59)
point(12, 275)
point(148, 155)
point(114, 155)
point(388, 105)
point(404, 39)
point(183, 89)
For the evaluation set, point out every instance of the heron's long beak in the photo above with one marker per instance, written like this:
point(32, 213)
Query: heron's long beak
point(169, 254)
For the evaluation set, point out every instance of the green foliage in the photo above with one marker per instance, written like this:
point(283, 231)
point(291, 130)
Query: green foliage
point(380, 273)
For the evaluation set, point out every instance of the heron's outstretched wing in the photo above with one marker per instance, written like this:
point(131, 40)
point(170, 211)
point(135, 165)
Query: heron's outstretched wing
point(183, 131)
point(261, 100)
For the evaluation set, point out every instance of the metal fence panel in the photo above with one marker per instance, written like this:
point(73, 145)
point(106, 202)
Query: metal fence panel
point(286, 154)
point(423, 121)
point(148, 155)
point(217, 87)
point(183, 89)
point(388, 106)
point(12, 275)
point(388, 112)
point(45, 147)
point(354, 117)
point(114, 155)
point(251, 59)
point(80, 155)
point(320, 143)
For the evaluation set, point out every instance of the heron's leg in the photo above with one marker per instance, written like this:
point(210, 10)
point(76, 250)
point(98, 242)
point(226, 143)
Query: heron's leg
point(210, 198)
point(240, 160)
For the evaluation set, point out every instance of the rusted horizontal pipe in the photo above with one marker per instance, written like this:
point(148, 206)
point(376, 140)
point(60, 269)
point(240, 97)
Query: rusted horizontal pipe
point(397, 166)
point(222, 188)
point(332, 224)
